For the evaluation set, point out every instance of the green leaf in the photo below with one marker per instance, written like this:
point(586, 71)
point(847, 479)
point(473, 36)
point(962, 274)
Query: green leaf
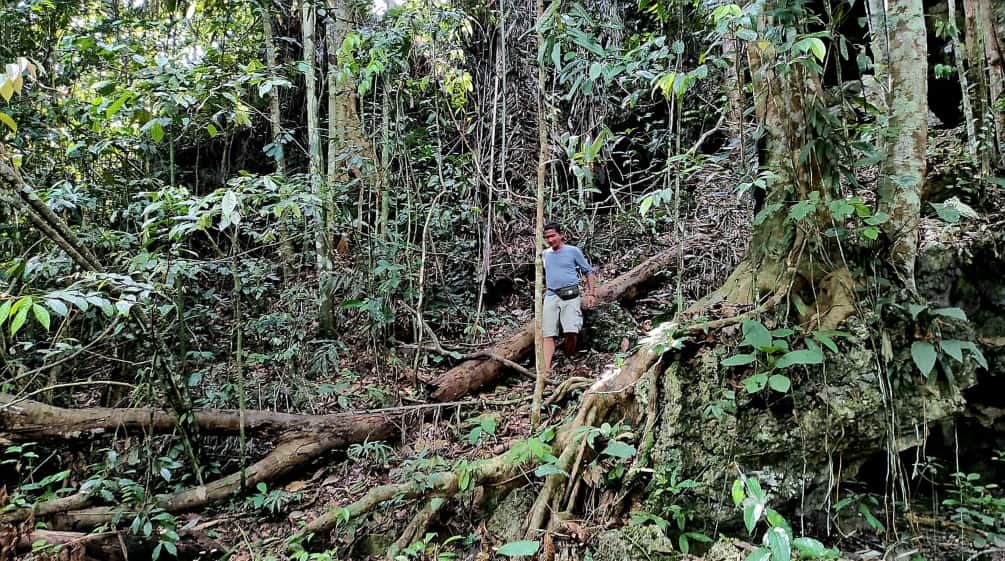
point(19, 319)
point(780, 383)
point(759, 554)
point(954, 313)
point(755, 383)
point(57, 306)
point(556, 56)
point(818, 48)
point(737, 492)
point(953, 348)
point(169, 546)
point(809, 548)
point(117, 104)
point(157, 131)
point(916, 309)
point(752, 512)
point(738, 360)
point(746, 34)
point(5, 310)
point(519, 549)
point(978, 355)
point(211, 129)
point(870, 233)
point(42, 315)
point(778, 541)
point(755, 334)
point(803, 356)
point(923, 354)
point(7, 120)
point(618, 449)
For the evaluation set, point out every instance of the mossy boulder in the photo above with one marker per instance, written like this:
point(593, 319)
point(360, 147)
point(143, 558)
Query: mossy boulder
point(507, 520)
point(632, 542)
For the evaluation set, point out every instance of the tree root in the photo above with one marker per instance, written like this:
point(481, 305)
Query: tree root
point(429, 510)
point(441, 484)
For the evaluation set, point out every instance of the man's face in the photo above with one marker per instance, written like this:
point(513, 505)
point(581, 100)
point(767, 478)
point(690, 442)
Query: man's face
point(552, 238)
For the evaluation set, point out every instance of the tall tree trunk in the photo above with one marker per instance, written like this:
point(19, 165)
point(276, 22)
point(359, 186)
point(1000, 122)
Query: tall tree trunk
point(959, 57)
point(319, 185)
point(978, 78)
point(276, 120)
point(903, 173)
point(542, 162)
point(996, 75)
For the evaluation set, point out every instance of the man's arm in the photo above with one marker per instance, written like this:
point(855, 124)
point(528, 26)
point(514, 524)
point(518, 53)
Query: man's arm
point(591, 286)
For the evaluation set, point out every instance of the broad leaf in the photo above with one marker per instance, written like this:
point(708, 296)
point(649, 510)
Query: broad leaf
point(778, 541)
point(809, 548)
point(519, 549)
point(42, 315)
point(755, 334)
point(924, 355)
point(738, 360)
point(953, 348)
point(803, 356)
point(7, 120)
point(780, 383)
point(618, 449)
point(759, 554)
point(954, 313)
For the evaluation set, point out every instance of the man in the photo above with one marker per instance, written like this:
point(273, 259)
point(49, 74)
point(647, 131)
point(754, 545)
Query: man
point(562, 302)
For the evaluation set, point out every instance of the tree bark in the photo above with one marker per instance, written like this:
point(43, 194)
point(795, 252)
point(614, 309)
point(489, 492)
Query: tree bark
point(903, 173)
point(996, 75)
point(276, 122)
point(27, 420)
point(542, 162)
point(471, 375)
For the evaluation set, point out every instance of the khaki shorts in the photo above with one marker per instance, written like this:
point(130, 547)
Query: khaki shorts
point(566, 314)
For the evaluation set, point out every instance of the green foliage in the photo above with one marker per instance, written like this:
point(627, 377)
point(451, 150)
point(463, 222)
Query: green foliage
point(484, 426)
point(272, 501)
point(668, 501)
point(519, 549)
point(771, 353)
point(371, 453)
point(979, 506)
point(936, 349)
point(777, 540)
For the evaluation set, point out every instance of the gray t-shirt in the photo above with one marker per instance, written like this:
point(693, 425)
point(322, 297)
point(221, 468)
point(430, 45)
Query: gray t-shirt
point(560, 267)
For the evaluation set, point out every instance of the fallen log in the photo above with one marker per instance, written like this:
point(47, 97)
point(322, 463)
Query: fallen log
point(473, 374)
point(27, 420)
point(111, 546)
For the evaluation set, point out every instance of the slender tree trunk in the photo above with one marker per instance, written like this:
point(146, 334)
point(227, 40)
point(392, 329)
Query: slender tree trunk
point(542, 161)
point(959, 56)
point(276, 121)
point(978, 78)
point(903, 173)
point(996, 76)
point(319, 187)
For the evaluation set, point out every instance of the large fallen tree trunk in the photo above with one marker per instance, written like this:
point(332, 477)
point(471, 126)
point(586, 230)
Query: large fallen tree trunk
point(473, 374)
point(27, 420)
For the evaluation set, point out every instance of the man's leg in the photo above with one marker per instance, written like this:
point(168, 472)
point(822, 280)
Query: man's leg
point(549, 328)
point(570, 344)
point(572, 322)
point(549, 351)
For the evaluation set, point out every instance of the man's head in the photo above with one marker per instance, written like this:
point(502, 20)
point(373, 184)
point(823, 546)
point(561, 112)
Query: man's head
point(553, 235)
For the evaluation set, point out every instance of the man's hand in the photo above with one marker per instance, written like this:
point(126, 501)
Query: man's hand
point(591, 301)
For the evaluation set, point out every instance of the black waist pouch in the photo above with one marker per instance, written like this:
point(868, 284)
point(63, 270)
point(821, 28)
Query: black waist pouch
point(567, 293)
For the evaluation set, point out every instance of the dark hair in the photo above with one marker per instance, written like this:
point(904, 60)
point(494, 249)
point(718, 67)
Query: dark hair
point(552, 226)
